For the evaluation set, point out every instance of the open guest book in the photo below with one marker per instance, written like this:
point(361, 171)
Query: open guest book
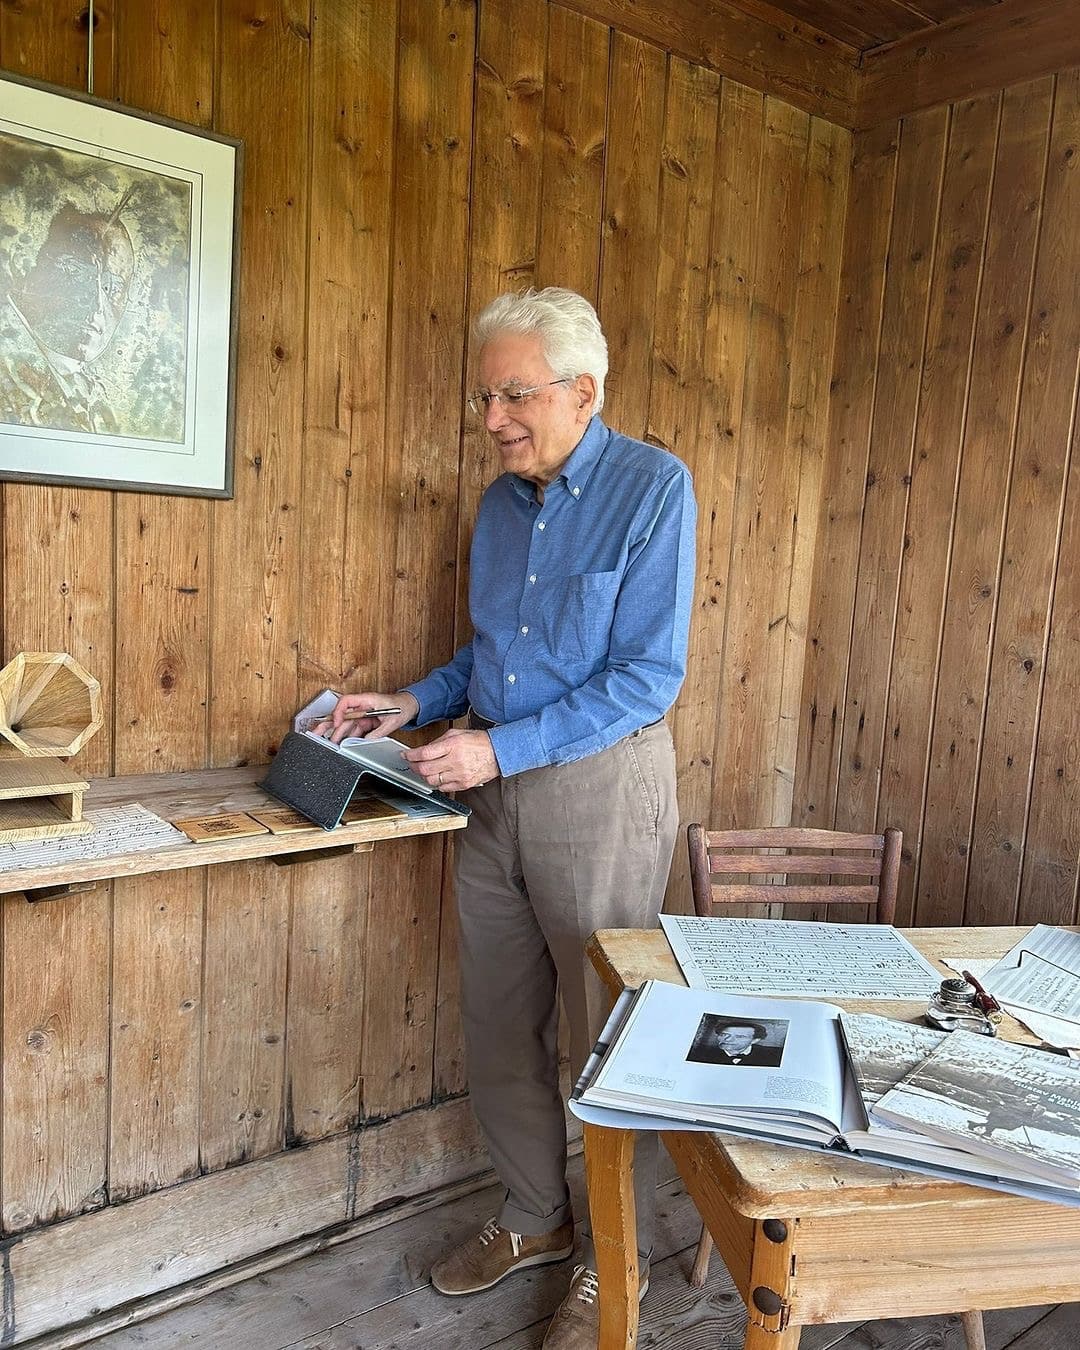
point(955, 1105)
point(317, 778)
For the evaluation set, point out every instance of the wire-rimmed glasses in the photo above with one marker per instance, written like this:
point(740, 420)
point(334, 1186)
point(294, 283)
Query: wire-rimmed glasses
point(510, 398)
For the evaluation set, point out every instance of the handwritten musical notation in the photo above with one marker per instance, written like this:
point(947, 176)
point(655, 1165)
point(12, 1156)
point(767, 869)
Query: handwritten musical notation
point(781, 956)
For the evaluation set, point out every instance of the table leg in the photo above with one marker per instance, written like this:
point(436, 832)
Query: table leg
point(609, 1173)
point(974, 1334)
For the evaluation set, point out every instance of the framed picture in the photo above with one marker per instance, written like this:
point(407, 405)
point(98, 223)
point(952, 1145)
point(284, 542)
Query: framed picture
point(118, 271)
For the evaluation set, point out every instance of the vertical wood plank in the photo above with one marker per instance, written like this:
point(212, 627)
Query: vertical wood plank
point(766, 492)
point(434, 134)
point(813, 337)
point(900, 359)
point(731, 264)
point(156, 1007)
point(327, 938)
point(255, 569)
point(58, 595)
point(1052, 845)
point(243, 1053)
point(687, 181)
point(575, 128)
point(344, 490)
point(935, 465)
point(165, 65)
point(866, 243)
point(989, 445)
point(343, 507)
point(508, 142)
point(55, 1056)
point(166, 58)
point(255, 573)
point(630, 243)
point(1042, 448)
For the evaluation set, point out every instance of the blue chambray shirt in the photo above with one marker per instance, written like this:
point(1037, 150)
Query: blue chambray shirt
point(580, 606)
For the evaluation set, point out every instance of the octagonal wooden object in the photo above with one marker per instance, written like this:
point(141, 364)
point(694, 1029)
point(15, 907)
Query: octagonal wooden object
point(49, 705)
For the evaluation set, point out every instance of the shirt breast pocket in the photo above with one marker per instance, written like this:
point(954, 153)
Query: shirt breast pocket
point(581, 625)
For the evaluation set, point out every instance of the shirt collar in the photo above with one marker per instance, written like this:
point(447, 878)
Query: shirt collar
point(577, 470)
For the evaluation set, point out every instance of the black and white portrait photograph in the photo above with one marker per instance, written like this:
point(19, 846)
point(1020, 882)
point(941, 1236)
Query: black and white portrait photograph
point(731, 1042)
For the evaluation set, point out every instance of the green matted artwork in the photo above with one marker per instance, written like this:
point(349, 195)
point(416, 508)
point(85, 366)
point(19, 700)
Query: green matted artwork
point(118, 272)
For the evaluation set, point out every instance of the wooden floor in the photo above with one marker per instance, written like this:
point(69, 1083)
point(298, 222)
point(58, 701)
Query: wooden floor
point(372, 1293)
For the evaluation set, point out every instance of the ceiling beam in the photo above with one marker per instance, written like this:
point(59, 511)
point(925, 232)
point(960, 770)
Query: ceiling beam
point(801, 65)
point(977, 53)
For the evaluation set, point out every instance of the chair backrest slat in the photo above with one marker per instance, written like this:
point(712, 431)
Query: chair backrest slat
point(737, 894)
point(812, 864)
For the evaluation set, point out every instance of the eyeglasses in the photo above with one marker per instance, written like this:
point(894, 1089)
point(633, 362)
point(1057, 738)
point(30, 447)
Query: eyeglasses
point(510, 399)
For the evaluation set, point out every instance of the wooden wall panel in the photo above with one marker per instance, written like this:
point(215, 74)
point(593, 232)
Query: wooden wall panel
point(978, 737)
point(630, 242)
point(1032, 535)
point(892, 432)
point(726, 330)
point(58, 573)
point(681, 332)
point(862, 287)
point(989, 441)
point(958, 260)
point(825, 203)
point(424, 402)
point(765, 492)
point(575, 128)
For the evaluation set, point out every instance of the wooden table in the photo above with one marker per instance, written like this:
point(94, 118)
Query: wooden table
point(174, 796)
point(811, 1238)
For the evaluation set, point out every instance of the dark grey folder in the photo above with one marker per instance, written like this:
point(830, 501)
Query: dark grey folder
point(316, 779)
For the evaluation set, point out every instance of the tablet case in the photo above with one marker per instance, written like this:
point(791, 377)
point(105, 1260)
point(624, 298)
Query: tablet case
point(318, 781)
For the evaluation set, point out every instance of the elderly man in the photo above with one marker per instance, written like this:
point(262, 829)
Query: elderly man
point(581, 577)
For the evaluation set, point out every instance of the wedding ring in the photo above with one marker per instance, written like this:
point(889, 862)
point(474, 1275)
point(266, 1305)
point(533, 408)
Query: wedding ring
point(438, 781)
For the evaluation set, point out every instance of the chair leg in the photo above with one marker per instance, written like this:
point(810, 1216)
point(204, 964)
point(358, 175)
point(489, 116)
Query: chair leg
point(700, 1273)
point(973, 1330)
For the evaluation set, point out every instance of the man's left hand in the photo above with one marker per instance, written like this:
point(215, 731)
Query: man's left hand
point(457, 760)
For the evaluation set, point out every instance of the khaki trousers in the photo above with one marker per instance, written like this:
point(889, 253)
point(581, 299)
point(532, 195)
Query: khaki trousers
point(549, 856)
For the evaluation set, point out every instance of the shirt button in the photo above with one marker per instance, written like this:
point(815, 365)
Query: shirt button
point(532, 580)
point(577, 492)
point(511, 679)
point(540, 524)
point(525, 629)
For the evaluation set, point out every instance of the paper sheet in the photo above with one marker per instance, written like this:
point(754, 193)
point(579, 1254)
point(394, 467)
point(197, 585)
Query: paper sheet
point(782, 956)
point(1041, 973)
point(1052, 1030)
point(117, 829)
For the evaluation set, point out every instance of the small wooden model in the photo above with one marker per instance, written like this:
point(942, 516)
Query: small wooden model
point(49, 706)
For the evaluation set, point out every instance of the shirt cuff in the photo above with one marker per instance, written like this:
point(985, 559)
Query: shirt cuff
point(518, 747)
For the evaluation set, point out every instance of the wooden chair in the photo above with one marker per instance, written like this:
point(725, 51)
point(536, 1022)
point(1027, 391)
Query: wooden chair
point(739, 853)
point(814, 857)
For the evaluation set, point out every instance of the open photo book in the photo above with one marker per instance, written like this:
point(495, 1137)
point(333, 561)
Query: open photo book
point(811, 1075)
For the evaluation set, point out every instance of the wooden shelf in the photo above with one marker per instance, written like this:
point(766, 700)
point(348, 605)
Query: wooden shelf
point(176, 795)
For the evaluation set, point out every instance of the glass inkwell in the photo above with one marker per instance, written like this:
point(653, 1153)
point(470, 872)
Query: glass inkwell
point(959, 1004)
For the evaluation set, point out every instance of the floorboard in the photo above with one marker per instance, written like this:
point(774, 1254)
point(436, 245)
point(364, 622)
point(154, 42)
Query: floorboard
point(372, 1293)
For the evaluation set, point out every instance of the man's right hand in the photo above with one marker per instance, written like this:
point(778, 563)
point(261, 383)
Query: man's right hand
point(352, 715)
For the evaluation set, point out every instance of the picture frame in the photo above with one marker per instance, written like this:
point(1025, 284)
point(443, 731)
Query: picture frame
point(119, 270)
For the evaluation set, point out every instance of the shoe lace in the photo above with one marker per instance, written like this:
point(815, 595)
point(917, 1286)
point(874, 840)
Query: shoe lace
point(586, 1290)
point(490, 1232)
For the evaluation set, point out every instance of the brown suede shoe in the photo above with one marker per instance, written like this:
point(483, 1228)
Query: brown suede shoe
point(494, 1253)
point(576, 1325)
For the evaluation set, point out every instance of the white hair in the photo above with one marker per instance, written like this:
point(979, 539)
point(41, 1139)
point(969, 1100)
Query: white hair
point(570, 335)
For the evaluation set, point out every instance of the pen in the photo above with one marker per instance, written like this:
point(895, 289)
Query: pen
point(984, 998)
point(375, 712)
